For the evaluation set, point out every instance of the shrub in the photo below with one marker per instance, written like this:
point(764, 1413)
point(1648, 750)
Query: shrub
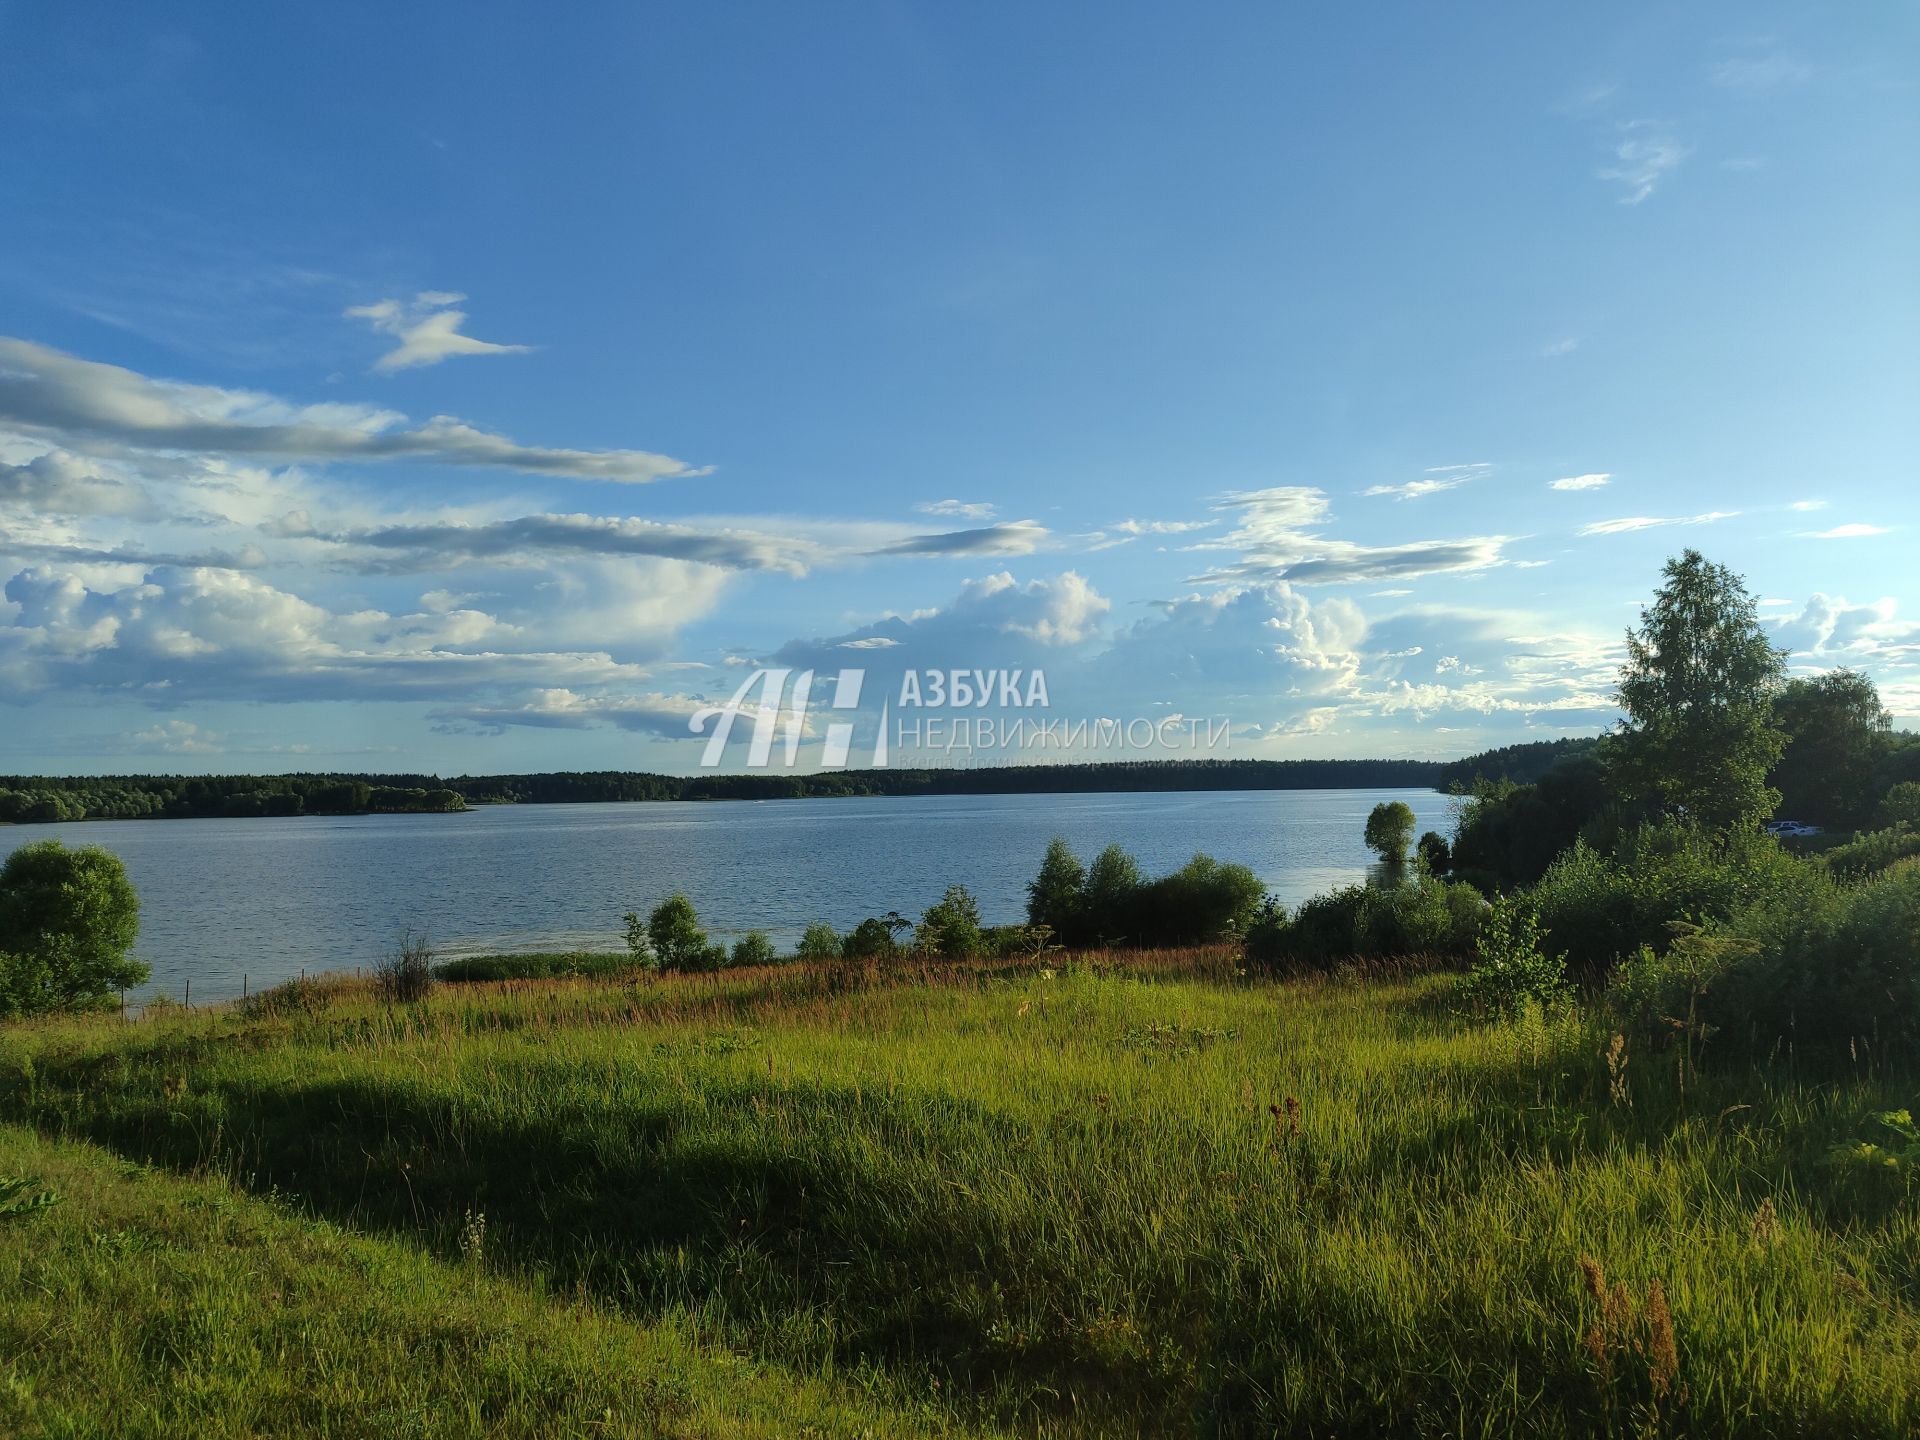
point(1599, 909)
point(67, 920)
point(1390, 830)
point(406, 974)
point(1511, 970)
point(950, 929)
point(1056, 896)
point(1435, 853)
point(1111, 898)
point(820, 942)
point(1901, 805)
point(1427, 918)
point(675, 939)
point(639, 947)
point(1812, 964)
point(1200, 903)
point(1869, 854)
point(872, 938)
point(754, 948)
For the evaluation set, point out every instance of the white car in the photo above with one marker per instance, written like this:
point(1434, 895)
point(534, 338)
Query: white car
point(1785, 828)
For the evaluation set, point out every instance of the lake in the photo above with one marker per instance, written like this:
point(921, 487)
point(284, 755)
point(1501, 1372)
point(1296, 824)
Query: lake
point(264, 899)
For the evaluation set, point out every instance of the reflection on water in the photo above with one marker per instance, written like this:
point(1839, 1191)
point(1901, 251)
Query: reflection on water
point(264, 899)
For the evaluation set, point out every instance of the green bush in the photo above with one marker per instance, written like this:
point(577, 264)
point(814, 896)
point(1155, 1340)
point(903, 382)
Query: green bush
point(1814, 964)
point(1056, 897)
point(1600, 909)
point(1871, 853)
point(950, 929)
point(754, 948)
point(1435, 853)
point(1111, 900)
point(67, 920)
point(1201, 903)
point(677, 942)
point(1426, 918)
point(1901, 804)
point(1511, 970)
point(820, 942)
point(873, 938)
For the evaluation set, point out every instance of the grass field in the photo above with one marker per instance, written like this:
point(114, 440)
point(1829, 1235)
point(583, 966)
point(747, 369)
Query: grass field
point(1093, 1199)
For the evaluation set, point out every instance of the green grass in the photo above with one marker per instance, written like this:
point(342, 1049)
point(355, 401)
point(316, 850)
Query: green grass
point(543, 965)
point(1077, 1201)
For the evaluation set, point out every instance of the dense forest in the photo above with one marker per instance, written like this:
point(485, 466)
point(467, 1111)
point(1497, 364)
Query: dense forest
point(133, 797)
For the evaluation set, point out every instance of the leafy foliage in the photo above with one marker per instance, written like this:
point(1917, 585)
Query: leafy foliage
point(676, 941)
point(1901, 805)
point(1429, 917)
point(1511, 970)
point(1698, 686)
point(1836, 731)
point(754, 948)
point(1390, 830)
point(67, 920)
point(950, 928)
point(819, 942)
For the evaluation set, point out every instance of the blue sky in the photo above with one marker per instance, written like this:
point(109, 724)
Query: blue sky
point(454, 388)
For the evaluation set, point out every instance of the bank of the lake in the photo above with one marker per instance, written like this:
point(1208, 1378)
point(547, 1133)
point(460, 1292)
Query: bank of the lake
point(227, 902)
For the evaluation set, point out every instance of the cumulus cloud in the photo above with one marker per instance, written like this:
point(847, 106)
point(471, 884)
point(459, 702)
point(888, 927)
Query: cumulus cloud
point(1644, 153)
point(180, 634)
point(1276, 538)
point(88, 405)
point(59, 483)
point(428, 329)
point(1581, 482)
point(1649, 522)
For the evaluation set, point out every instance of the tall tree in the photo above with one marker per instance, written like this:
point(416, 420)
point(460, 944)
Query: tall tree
point(1698, 688)
point(1837, 730)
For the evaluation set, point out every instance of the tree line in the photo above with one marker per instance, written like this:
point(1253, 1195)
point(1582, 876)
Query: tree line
point(27, 799)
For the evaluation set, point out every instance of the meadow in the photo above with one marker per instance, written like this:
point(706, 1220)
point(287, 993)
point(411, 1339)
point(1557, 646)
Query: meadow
point(1083, 1195)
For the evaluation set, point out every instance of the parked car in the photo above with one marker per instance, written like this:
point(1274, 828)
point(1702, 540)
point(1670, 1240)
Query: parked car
point(1784, 828)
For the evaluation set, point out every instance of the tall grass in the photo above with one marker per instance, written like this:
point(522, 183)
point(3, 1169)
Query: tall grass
point(1084, 1199)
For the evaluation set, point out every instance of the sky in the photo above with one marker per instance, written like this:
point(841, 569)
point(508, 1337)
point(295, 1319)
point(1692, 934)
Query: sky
point(488, 388)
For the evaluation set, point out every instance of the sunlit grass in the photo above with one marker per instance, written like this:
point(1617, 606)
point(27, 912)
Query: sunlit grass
point(1078, 1199)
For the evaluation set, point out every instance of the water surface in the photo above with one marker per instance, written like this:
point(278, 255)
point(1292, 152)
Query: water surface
point(264, 899)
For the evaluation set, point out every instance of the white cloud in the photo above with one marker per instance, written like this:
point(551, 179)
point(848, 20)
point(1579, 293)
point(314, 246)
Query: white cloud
point(1557, 349)
point(1582, 482)
point(1648, 522)
point(1855, 531)
point(958, 509)
point(1645, 152)
point(1016, 537)
point(1808, 505)
point(1415, 489)
point(60, 483)
point(92, 406)
point(1276, 540)
point(666, 717)
point(428, 329)
point(1125, 532)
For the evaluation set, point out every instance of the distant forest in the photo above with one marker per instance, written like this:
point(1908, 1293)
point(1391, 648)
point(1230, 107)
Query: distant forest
point(28, 799)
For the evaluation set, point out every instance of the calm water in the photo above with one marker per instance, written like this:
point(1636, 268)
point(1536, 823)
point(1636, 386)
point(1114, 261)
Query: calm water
point(222, 899)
